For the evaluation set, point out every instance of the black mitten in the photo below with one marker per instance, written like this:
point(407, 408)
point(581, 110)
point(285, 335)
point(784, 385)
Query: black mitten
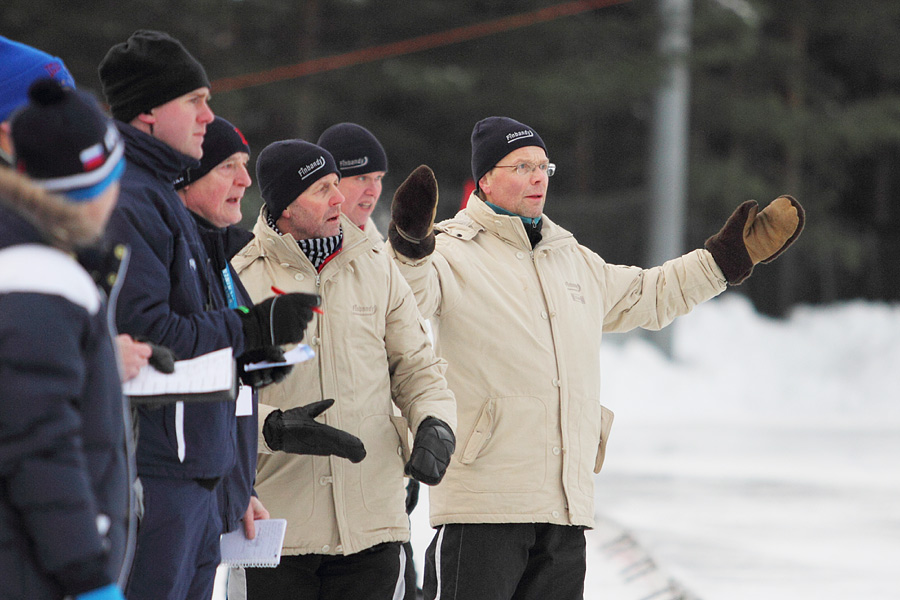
point(259, 378)
point(296, 431)
point(277, 320)
point(411, 231)
point(432, 448)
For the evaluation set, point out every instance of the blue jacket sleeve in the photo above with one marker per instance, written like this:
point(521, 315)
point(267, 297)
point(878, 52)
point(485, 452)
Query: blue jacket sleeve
point(43, 468)
point(165, 295)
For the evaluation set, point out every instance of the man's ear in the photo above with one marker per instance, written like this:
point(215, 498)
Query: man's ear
point(147, 118)
point(484, 184)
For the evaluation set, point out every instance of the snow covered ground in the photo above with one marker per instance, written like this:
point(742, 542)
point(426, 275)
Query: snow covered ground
point(763, 461)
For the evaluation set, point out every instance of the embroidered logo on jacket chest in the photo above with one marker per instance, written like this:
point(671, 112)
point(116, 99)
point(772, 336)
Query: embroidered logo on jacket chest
point(364, 310)
point(575, 292)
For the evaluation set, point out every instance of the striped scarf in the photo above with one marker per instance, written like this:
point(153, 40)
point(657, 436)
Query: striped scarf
point(317, 250)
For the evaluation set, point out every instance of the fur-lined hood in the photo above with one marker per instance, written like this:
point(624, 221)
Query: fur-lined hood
point(60, 223)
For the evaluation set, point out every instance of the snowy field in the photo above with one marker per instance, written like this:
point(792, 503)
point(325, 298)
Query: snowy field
point(762, 462)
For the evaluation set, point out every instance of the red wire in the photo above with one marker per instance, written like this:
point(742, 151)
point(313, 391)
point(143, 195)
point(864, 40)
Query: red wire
point(416, 44)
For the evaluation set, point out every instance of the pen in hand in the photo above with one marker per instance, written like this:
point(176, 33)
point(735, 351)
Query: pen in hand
point(280, 292)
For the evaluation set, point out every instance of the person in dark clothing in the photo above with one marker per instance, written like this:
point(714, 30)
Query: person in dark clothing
point(64, 426)
point(159, 93)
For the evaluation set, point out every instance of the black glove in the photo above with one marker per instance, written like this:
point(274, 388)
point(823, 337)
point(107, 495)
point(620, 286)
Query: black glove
point(432, 448)
point(277, 320)
point(296, 431)
point(411, 231)
point(262, 377)
point(161, 358)
point(412, 495)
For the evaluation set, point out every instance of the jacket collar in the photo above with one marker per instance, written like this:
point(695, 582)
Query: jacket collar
point(510, 228)
point(154, 155)
point(284, 249)
point(233, 237)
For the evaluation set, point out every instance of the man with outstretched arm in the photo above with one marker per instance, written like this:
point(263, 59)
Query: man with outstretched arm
point(519, 309)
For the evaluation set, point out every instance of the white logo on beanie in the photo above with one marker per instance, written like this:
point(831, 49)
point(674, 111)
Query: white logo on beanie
point(354, 163)
point(311, 168)
point(517, 135)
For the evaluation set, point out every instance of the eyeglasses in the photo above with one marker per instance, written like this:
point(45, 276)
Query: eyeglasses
point(526, 168)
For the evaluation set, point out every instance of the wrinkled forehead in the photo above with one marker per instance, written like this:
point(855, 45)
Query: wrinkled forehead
point(532, 154)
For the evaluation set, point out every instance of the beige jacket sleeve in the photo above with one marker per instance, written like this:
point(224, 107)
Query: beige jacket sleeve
point(653, 298)
point(417, 374)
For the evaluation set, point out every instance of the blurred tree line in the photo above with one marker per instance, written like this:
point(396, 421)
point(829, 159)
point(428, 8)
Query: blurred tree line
point(799, 97)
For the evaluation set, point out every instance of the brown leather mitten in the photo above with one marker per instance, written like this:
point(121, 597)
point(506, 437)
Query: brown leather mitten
point(750, 237)
point(411, 231)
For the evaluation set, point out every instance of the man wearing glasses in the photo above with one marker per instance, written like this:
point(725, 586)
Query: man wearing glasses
point(519, 309)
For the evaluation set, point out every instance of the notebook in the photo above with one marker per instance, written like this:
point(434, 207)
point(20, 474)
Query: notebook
point(207, 378)
point(262, 551)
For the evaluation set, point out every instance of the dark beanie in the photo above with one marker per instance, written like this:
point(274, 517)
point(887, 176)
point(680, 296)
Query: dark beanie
point(20, 66)
point(222, 139)
point(495, 137)
point(355, 150)
point(146, 71)
point(285, 169)
point(65, 143)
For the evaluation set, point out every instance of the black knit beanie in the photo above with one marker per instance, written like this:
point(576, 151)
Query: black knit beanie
point(222, 139)
point(65, 143)
point(495, 137)
point(354, 148)
point(285, 169)
point(146, 71)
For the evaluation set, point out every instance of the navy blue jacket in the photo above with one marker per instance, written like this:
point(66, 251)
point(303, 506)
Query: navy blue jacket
point(64, 483)
point(170, 298)
point(237, 487)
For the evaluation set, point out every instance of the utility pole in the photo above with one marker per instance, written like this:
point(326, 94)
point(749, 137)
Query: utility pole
point(669, 152)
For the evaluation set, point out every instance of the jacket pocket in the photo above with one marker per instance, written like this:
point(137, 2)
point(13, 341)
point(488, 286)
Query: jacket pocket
point(402, 427)
point(606, 422)
point(481, 432)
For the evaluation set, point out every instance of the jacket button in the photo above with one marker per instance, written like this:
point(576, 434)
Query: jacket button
point(299, 276)
point(555, 383)
point(325, 480)
point(520, 255)
point(544, 314)
point(285, 265)
point(339, 548)
point(326, 548)
point(556, 451)
point(555, 514)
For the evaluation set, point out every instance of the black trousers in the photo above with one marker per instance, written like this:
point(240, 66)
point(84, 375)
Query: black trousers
point(506, 561)
point(373, 574)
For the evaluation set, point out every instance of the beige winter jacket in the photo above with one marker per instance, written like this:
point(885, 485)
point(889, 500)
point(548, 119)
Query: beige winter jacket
point(371, 347)
point(521, 332)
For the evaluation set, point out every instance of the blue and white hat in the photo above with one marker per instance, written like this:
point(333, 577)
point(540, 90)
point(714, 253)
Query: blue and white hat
point(65, 143)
